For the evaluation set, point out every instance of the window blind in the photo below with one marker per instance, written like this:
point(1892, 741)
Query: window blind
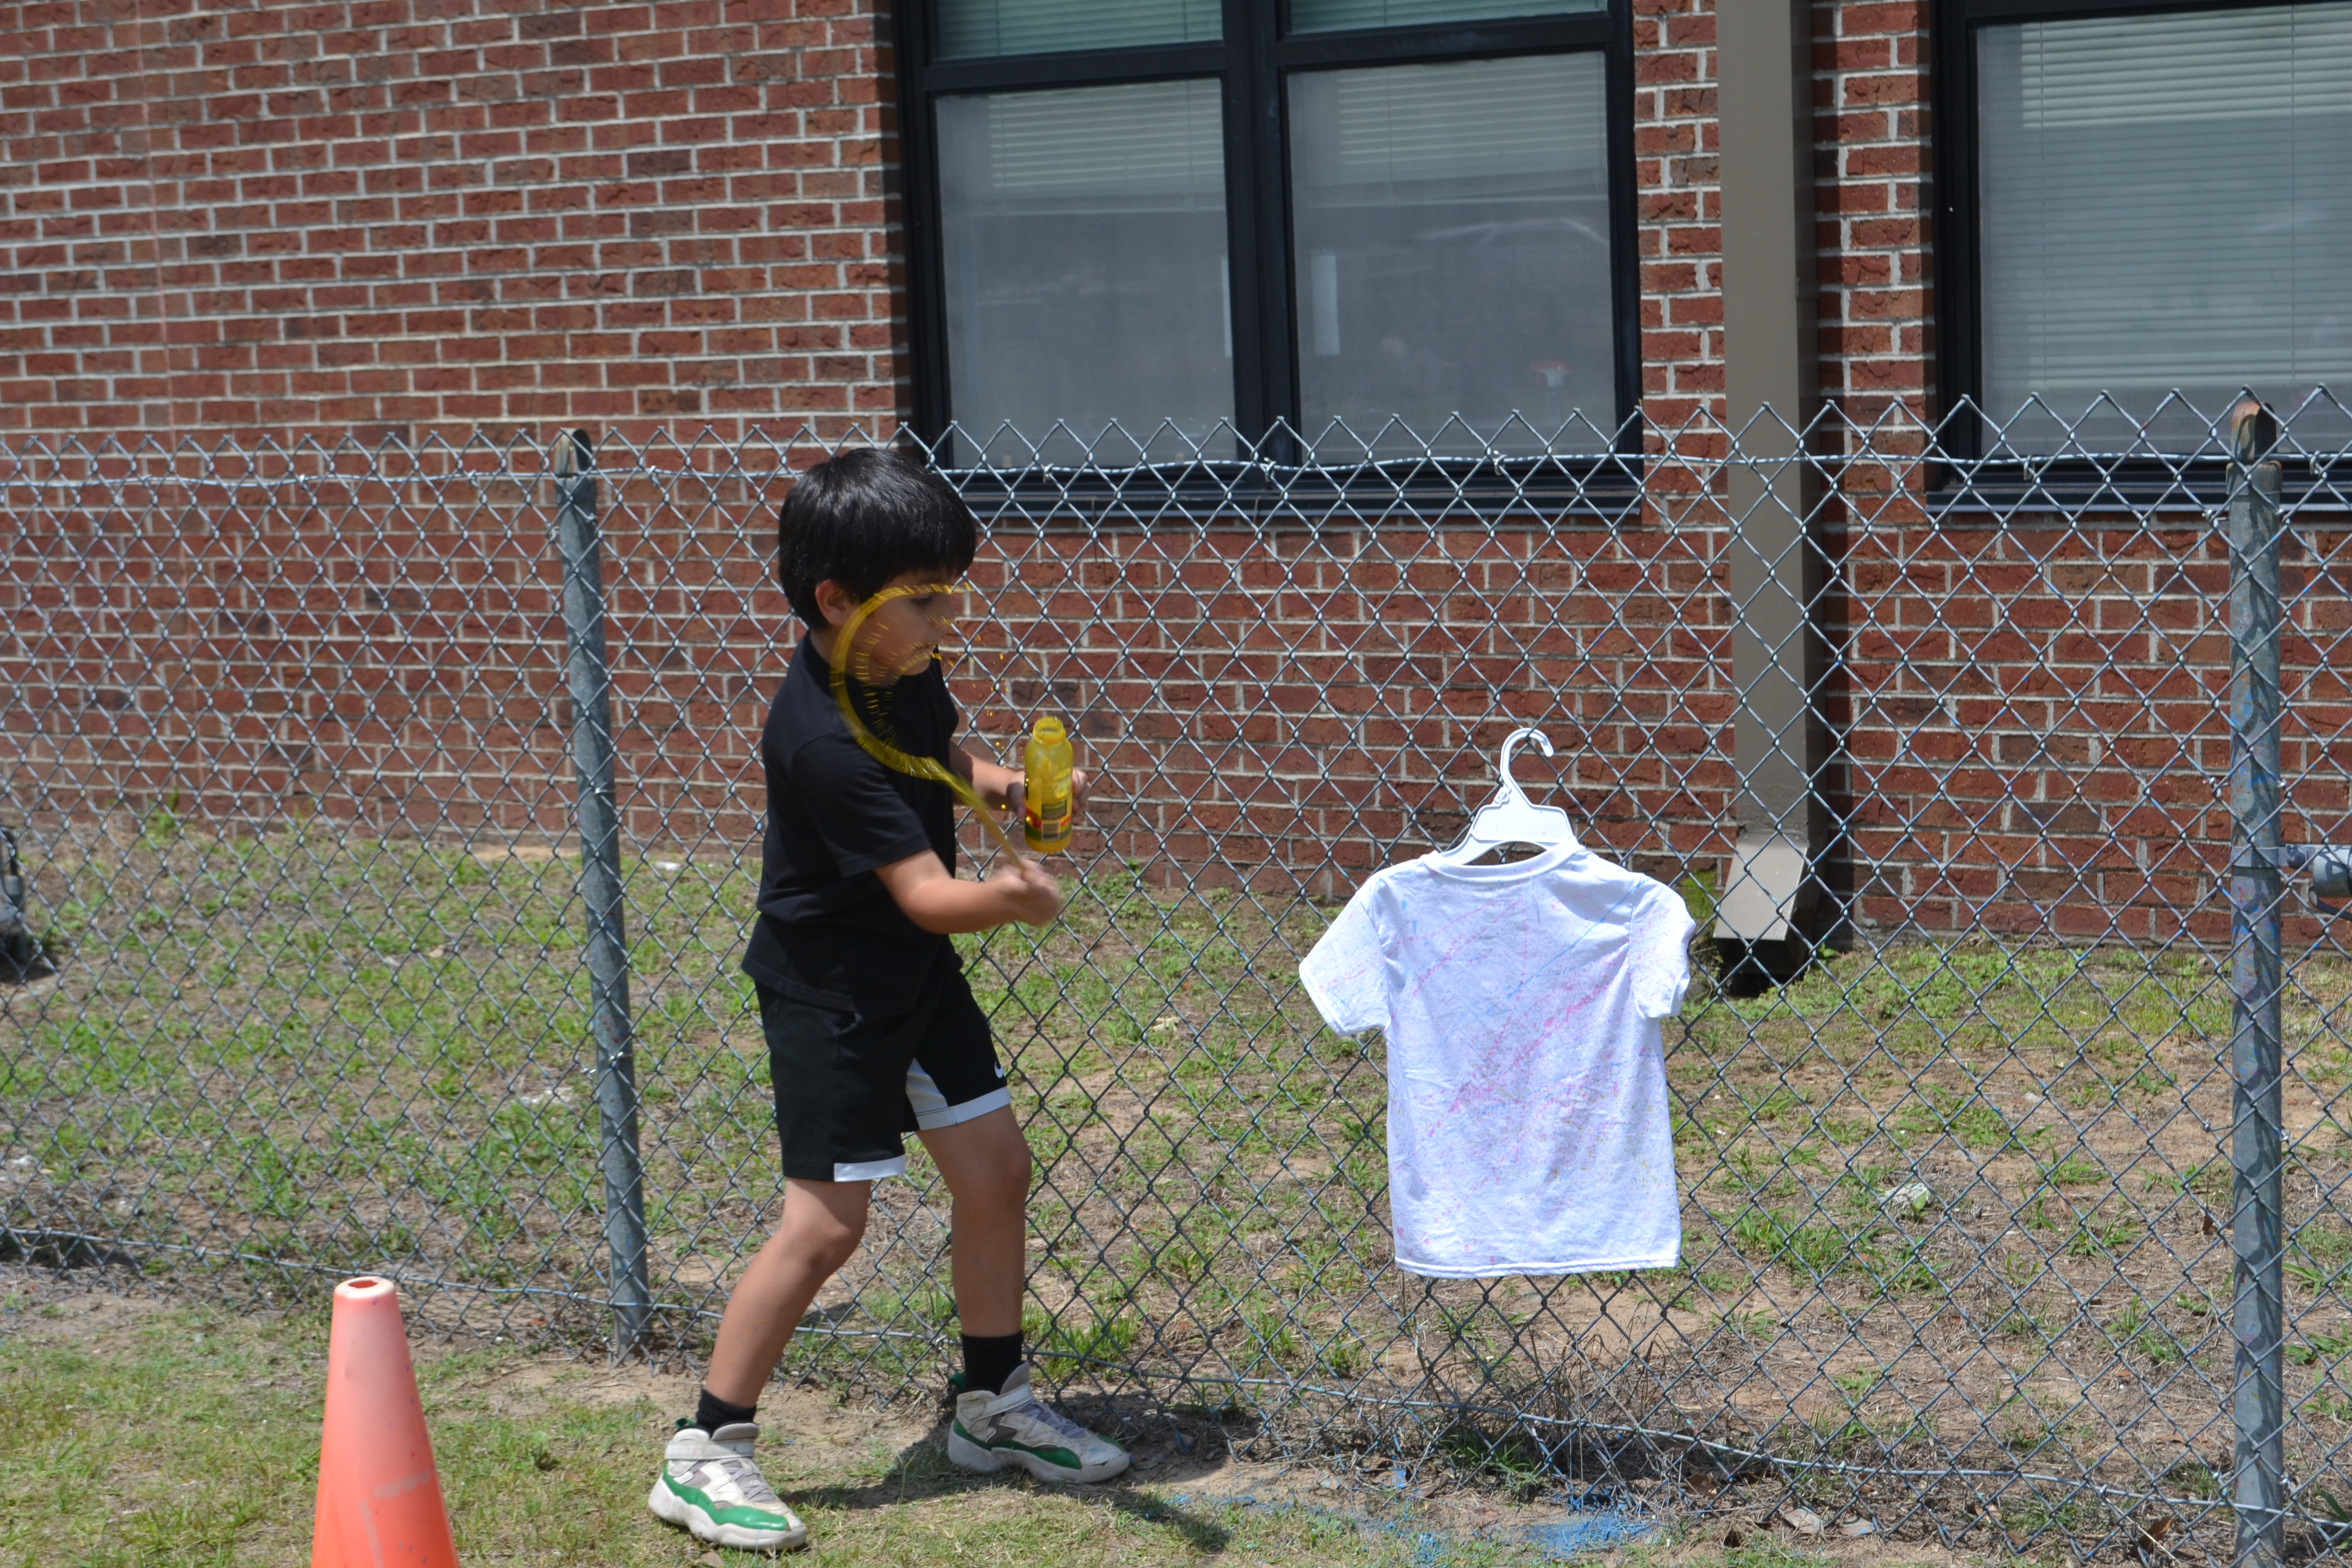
point(1143, 143)
point(1491, 121)
point(1453, 264)
point(971, 29)
point(1335, 15)
point(1084, 247)
point(2165, 201)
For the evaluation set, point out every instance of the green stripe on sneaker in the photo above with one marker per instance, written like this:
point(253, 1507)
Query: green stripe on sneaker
point(744, 1514)
point(1061, 1456)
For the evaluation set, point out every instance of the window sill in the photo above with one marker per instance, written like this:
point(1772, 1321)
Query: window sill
point(2190, 489)
point(1598, 489)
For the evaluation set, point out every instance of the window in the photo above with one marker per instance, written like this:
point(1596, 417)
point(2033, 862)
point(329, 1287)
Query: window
point(1380, 223)
point(2137, 199)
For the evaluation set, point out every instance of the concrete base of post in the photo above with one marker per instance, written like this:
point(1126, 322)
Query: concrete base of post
point(1764, 925)
point(1768, 892)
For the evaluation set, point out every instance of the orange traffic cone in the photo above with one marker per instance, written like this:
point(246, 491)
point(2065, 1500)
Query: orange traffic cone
point(379, 1495)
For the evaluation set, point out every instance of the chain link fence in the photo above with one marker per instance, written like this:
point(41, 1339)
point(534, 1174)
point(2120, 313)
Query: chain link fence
point(298, 754)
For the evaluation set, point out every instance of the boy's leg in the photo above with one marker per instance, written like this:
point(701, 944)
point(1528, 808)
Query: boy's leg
point(838, 1078)
point(985, 1164)
point(998, 1420)
point(709, 1484)
point(822, 1225)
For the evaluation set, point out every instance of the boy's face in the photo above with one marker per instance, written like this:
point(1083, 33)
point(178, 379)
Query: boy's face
point(903, 634)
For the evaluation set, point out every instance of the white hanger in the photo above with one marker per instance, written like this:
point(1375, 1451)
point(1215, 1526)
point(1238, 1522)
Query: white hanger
point(1510, 818)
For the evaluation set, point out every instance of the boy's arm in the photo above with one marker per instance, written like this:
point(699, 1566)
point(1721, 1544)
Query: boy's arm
point(938, 903)
point(1001, 787)
point(992, 784)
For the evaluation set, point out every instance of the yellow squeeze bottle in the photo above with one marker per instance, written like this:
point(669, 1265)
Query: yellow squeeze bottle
point(1045, 767)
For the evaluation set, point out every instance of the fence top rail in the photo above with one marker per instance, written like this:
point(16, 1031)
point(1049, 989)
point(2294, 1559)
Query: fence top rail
point(2173, 434)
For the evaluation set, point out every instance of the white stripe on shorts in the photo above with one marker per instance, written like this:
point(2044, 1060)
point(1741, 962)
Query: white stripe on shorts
point(932, 1110)
point(870, 1170)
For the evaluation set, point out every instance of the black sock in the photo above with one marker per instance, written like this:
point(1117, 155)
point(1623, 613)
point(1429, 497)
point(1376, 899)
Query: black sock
point(712, 1412)
point(989, 1359)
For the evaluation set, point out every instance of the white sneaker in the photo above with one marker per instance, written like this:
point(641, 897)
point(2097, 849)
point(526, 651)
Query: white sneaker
point(993, 1430)
point(709, 1487)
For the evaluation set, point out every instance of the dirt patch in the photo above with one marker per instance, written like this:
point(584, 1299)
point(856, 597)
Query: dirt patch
point(50, 1305)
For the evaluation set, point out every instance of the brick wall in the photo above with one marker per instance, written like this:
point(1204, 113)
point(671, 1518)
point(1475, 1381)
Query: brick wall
point(409, 215)
point(1872, 192)
point(418, 216)
point(1681, 243)
point(1271, 706)
point(1871, 163)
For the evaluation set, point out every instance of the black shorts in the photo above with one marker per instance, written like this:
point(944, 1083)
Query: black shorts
point(849, 1086)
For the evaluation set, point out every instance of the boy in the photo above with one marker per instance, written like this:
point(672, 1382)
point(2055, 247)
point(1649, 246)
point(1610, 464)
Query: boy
point(871, 1031)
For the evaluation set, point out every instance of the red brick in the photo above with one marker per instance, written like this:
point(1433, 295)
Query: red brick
point(279, 176)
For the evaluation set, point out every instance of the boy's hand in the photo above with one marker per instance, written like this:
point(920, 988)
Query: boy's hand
point(1004, 787)
point(1016, 794)
point(1029, 895)
point(938, 902)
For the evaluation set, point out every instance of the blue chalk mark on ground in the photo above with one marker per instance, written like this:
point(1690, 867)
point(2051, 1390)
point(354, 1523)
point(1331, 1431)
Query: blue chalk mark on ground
point(1561, 1541)
point(1586, 1529)
point(1592, 1532)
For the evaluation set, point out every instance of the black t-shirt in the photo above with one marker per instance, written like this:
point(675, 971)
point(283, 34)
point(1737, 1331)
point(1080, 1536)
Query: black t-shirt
point(828, 931)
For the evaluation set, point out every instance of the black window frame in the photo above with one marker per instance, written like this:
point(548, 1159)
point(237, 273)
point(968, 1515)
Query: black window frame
point(1956, 234)
point(1251, 61)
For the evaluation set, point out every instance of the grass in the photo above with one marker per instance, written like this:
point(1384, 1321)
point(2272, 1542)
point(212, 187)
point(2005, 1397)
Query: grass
point(2136, 1330)
point(271, 1060)
point(189, 1438)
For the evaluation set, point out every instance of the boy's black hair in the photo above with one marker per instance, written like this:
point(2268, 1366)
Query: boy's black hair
point(863, 517)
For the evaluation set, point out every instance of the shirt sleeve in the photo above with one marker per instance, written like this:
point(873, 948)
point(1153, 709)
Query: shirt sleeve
point(1345, 973)
point(861, 817)
point(1661, 952)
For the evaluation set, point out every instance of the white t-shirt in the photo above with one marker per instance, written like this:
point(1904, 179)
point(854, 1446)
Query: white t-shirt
point(1529, 1130)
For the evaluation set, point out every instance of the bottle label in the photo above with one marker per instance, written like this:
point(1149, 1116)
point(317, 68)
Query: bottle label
point(1047, 821)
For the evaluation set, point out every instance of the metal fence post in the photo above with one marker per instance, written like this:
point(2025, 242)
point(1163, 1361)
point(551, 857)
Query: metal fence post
point(2256, 1232)
point(596, 815)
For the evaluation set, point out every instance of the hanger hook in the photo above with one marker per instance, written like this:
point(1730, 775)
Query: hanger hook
point(1510, 743)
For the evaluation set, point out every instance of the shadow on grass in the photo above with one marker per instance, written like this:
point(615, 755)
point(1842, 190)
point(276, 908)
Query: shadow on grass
point(922, 1471)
